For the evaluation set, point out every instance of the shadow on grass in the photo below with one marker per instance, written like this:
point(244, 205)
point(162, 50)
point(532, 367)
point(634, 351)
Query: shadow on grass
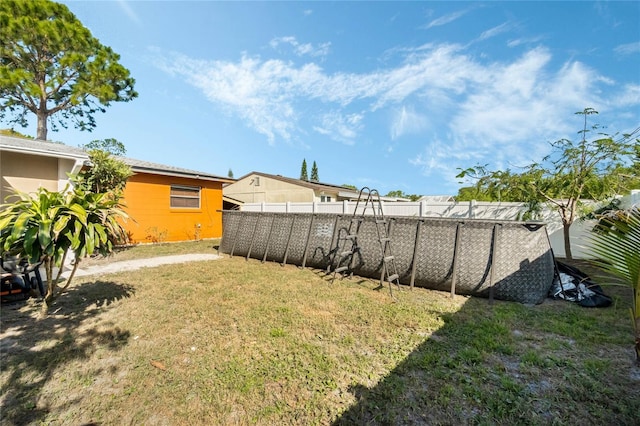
point(331, 277)
point(508, 363)
point(33, 350)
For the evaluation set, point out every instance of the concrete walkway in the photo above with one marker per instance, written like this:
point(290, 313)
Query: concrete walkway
point(131, 265)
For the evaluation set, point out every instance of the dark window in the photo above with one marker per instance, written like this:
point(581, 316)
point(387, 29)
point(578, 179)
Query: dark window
point(185, 196)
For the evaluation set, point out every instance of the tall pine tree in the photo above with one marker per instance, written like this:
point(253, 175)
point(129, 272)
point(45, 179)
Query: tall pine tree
point(314, 173)
point(303, 172)
point(51, 66)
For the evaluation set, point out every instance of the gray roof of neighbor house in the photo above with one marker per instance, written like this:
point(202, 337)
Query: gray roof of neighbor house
point(162, 169)
point(10, 143)
point(316, 186)
point(50, 149)
point(319, 186)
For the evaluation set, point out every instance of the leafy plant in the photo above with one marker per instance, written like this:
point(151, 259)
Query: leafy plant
point(111, 145)
point(616, 244)
point(107, 174)
point(48, 226)
point(156, 235)
point(400, 194)
point(574, 170)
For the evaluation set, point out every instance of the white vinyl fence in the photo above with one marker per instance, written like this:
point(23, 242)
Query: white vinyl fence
point(631, 200)
point(466, 209)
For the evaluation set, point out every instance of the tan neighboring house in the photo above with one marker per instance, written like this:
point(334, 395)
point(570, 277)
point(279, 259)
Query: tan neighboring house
point(166, 203)
point(27, 164)
point(257, 187)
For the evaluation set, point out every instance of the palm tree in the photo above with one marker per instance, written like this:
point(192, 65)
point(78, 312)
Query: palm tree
point(615, 242)
point(47, 226)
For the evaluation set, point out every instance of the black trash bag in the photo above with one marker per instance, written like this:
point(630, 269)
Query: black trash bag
point(575, 286)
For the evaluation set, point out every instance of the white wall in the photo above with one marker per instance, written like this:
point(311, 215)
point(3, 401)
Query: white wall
point(631, 200)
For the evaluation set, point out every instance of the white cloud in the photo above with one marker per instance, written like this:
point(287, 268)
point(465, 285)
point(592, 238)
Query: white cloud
point(128, 10)
point(440, 157)
point(509, 119)
point(260, 92)
point(486, 109)
point(524, 98)
point(630, 95)
point(341, 128)
point(447, 19)
point(628, 49)
point(520, 41)
point(440, 68)
point(302, 49)
point(407, 121)
point(497, 30)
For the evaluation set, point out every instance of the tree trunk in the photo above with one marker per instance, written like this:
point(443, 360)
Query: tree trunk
point(567, 213)
point(42, 126)
point(566, 227)
point(44, 309)
point(48, 298)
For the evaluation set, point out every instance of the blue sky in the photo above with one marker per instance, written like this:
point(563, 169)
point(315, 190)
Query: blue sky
point(390, 95)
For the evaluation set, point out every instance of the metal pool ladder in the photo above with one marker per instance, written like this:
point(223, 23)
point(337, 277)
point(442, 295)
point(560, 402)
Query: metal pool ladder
point(348, 244)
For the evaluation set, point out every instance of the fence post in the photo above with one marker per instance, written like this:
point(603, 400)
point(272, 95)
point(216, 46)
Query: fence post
point(422, 209)
point(313, 207)
point(287, 208)
point(262, 206)
point(472, 209)
point(345, 206)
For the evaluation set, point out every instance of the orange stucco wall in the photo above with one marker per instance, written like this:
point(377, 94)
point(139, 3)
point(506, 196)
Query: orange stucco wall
point(146, 200)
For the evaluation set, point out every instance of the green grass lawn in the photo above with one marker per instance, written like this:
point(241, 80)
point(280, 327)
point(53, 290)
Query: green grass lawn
point(241, 342)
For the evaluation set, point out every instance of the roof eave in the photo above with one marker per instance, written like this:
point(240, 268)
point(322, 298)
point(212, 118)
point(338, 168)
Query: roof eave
point(44, 153)
point(179, 174)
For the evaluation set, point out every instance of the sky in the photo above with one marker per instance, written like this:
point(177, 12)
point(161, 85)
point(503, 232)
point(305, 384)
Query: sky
point(389, 95)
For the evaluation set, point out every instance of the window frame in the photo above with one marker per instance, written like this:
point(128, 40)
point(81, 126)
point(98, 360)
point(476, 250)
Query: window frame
point(173, 196)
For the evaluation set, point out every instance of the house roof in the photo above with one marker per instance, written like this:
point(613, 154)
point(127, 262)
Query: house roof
point(52, 149)
point(316, 186)
point(319, 186)
point(162, 169)
point(49, 149)
point(232, 200)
